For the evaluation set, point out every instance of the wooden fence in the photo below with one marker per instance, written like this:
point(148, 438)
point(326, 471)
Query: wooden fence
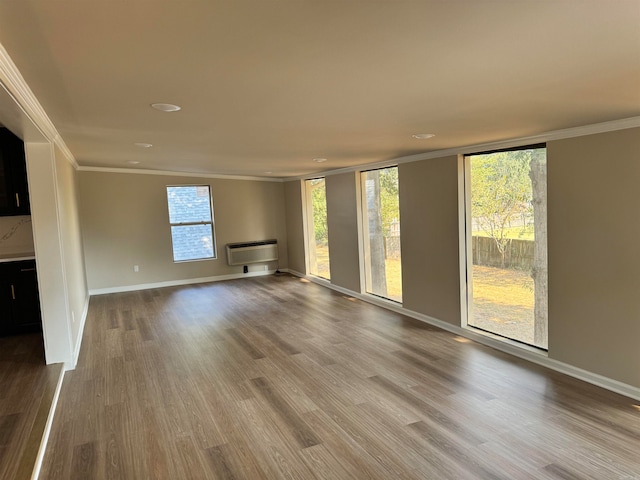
point(518, 254)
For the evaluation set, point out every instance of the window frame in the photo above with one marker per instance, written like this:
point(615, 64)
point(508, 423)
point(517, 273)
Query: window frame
point(309, 228)
point(211, 223)
point(365, 249)
point(466, 250)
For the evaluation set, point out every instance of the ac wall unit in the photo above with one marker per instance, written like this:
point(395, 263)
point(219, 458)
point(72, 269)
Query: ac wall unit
point(243, 253)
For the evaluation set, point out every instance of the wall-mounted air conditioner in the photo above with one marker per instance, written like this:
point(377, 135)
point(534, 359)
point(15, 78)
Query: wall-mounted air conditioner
point(243, 253)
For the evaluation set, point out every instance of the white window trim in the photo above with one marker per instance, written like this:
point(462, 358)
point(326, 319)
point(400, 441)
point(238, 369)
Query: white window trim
point(466, 261)
point(186, 224)
point(363, 229)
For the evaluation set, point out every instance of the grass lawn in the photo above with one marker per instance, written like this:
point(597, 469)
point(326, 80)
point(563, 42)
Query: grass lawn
point(393, 271)
point(322, 260)
point(503, 299)
point(503, 302)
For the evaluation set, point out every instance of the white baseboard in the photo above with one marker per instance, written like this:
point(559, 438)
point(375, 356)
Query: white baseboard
point(527, 353)
point(176, 283)
point(47, 429)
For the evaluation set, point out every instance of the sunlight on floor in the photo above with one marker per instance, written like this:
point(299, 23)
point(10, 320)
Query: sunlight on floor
point(462, 340)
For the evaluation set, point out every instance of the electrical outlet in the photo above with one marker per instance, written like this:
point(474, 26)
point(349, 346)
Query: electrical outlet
point(136, 269)
point(265, 268)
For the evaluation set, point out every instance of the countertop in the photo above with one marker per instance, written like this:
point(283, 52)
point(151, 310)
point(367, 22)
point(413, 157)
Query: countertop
point(16, 256)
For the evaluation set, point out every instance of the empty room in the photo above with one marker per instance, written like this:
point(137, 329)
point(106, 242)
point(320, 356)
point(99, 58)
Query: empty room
point(288, 239)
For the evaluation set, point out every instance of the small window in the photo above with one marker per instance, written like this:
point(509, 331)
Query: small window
point(191, 219)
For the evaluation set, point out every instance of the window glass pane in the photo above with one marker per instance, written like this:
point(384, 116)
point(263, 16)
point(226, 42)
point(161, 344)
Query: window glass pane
point(192, 242)
point(509, 244)
point(318, 232)
point(381, 215)
point(189, 204)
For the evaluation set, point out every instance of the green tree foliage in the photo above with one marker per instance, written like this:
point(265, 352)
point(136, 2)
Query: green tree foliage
point(501, 193)
point(389, 206)
point(382, 209)
point(389, 202)
point(511, 188)
point(319, 202)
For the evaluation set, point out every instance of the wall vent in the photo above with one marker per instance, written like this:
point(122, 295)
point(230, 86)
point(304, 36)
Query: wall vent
point(243, 253)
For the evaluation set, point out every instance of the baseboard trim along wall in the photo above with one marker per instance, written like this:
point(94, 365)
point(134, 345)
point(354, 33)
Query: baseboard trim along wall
point(177, 283)
point(47, 430)
point(529, 354)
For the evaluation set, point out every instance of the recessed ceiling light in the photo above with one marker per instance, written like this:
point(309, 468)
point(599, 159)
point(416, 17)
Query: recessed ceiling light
point(133, 162)
point(166, 107)
point(423, 136)
point(143, 145)
point(319, 160)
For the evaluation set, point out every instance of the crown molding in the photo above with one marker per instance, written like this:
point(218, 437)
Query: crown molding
point(621, 124)
point(169, 173)
point(17, 87)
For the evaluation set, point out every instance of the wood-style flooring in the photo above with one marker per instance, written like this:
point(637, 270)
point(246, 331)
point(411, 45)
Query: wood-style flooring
point(275, 377)
point(27, 387)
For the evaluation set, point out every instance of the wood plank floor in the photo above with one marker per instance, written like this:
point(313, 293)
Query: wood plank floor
point(274, 377)
point(27, 387)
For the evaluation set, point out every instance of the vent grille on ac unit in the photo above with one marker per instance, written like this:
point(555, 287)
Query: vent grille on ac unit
point(243, 253)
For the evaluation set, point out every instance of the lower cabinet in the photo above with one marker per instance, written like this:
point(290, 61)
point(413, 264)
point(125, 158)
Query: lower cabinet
point(19, 299)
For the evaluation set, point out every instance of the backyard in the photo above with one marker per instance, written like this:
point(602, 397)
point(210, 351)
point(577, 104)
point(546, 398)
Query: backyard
point(392, 270)
point(503, 302)
point(502, 298)
point(508, 240)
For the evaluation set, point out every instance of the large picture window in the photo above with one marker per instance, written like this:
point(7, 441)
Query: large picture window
point(191, 219)
point(506, 225)
point(381, 229)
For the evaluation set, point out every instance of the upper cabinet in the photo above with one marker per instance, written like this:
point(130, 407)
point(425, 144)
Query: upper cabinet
point(14, 194)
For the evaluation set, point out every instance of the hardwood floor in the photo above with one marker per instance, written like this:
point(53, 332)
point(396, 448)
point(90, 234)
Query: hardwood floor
point(273, 378)
point(27, 387)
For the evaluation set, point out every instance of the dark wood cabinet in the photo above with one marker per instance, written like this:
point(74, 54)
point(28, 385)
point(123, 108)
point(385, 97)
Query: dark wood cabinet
point(14, 193)
point(19, 298)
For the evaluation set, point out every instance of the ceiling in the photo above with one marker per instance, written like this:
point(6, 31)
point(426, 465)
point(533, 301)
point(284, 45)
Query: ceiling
point(266, 86)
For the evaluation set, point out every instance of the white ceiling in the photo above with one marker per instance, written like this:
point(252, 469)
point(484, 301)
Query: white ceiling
point(266, 86)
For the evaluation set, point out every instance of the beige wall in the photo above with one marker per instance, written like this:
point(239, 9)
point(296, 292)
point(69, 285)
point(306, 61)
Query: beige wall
point(71, 238)
point(295, 226)
point(429, 238)
point(125, 223)
point(594, 253)
point(342, 216)
point(58, 248)
point(50, 264)
point(594, 247)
